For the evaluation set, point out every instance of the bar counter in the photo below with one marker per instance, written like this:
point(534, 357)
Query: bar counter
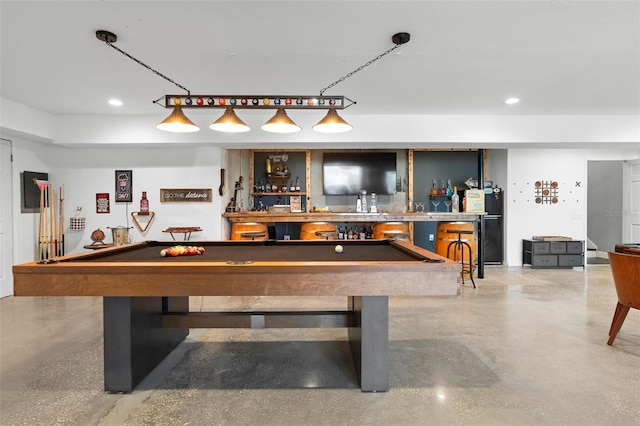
point(263, 217)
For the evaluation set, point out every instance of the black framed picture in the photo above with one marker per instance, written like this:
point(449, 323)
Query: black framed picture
point(30, 192)
point(124, 186)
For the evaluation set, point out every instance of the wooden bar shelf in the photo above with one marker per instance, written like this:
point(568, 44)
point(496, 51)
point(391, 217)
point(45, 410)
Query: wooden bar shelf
point(264, 217)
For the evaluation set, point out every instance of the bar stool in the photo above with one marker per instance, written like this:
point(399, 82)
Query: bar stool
point(461, 244)
point(318, 231)
point(249, 231)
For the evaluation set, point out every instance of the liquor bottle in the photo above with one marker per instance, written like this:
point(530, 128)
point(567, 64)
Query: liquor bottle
point(363, 233)
point(363, 202)
point(449, 190)
point(292, 187)
point(267, 187)
point(144, 203)
point(358, 205)
point(297, 184)
point(350, 234)
point(434, 189)
point(373, 207)
point(442, 191)
point(455, 200)
point(340, 233)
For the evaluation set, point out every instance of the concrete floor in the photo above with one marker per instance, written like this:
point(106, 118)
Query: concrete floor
point(527, 347)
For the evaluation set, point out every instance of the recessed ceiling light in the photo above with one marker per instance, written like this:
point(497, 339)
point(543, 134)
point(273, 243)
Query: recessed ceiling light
point(115, 102)
point(511, 101)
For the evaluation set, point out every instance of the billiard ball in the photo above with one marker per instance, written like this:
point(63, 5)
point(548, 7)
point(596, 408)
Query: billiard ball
point(339, 249)
point(163, 253)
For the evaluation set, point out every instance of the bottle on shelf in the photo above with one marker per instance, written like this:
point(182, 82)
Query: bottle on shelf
point(373, 206)
point(363, 201)
point(359, 205)
point(442, 191)
point(297, 184)
point(449, 190)
point(455, 201)
point(363, 233)
point(144, 203)
point(267, 187)
point(292, 186)
point(340, 233)
point(434, 189)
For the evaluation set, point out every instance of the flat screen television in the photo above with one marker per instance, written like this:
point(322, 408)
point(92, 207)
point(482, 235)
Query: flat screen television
point(347, 173)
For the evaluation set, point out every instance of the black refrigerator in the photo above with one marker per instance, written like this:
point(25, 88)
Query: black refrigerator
point(493, 232)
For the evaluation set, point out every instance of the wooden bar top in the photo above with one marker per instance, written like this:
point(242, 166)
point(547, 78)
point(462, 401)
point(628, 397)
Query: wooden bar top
point(261, 217)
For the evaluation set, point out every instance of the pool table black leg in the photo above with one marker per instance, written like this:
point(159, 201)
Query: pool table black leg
point(369, 341)
point(134, 340)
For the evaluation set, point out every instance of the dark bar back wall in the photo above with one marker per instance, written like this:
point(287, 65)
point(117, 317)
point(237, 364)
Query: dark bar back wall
point(441, 165)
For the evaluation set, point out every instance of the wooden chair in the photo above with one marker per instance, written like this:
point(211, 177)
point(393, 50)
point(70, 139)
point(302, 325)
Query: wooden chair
point(626, 277)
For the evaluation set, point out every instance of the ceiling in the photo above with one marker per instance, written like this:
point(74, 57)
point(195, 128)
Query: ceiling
point(464, 57)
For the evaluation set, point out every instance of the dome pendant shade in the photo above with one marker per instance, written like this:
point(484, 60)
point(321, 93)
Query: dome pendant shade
point(229, 122)
point(177, 122)
point(280, 123)
point(332, 123)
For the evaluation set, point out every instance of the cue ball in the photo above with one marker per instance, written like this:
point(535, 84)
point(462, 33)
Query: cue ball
point(339, 249)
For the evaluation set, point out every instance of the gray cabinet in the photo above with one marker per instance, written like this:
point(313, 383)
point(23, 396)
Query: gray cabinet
point(553, 254)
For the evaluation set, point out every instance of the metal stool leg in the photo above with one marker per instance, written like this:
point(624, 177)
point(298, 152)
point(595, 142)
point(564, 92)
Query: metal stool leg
point(459, 244)
point(464, 244)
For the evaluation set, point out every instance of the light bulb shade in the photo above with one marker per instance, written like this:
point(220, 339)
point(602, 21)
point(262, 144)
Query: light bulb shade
point(229, 122)
point(280, 123)
point(332, 123)
point(177, 122)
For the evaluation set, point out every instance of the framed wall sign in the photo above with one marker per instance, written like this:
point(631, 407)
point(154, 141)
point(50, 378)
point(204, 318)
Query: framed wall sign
point(124, 186)
point(187, 195)
point(102, 203)
point(296, 204)
point(29, 191)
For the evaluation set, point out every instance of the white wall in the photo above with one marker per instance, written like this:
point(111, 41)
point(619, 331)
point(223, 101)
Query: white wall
point(568, 167)
point(87, 171)
point(34, 157)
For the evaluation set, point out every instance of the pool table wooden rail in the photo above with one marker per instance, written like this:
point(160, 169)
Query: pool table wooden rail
point(212, 278)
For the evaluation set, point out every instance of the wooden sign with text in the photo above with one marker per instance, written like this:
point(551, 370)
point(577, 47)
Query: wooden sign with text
point(189, 195)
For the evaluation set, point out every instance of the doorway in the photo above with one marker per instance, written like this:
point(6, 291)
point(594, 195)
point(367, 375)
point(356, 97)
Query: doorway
point(6, 219)
point(605, 197)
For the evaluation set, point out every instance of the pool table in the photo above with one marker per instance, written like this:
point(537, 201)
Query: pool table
point(146, 296)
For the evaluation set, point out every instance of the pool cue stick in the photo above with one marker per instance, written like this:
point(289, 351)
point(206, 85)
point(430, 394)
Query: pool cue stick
point(46, 225)
point(39, 255)
point(62, 219)
point(45, 229)
point(49, 223)
point(54, 222)
point(54, 217)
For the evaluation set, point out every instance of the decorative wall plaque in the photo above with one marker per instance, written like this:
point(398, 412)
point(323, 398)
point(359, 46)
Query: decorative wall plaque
point(546, 192)
point(187, 195)
point(124, 186)
point(102, 202)
point(29, 191)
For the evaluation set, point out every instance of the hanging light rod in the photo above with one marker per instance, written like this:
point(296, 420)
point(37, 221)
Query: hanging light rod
point(255, 101)
point(229, 122)
point(398, 39)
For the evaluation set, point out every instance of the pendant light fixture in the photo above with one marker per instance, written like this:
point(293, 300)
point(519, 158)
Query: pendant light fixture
point(332, 123)
point(280, 123)
point(229, 122)
point(177, 122)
